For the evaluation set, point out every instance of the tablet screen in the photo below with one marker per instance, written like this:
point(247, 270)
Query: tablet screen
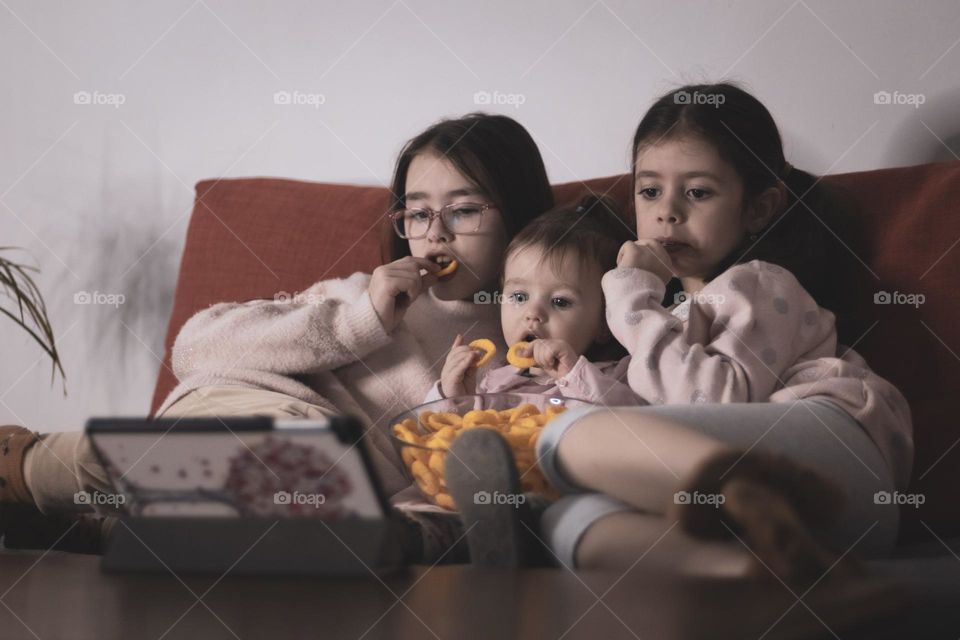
point(231, 467)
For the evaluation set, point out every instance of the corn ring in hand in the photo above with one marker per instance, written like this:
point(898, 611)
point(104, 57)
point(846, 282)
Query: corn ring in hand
point(519, 361)
point(487, 347)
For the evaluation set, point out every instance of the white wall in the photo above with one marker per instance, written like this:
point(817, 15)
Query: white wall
point(100, 196)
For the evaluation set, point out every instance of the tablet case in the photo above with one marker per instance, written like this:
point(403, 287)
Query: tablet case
point(261, 536)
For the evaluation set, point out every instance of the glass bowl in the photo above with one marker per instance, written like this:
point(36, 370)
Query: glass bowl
point(423, 434)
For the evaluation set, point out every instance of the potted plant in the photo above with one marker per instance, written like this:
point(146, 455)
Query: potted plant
point(29, 310)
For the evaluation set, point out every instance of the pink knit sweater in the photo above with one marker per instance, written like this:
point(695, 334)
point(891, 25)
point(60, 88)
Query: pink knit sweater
point(328, 347)
point(753, 334)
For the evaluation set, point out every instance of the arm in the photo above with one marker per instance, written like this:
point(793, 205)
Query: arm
point(746, 328)
point(329, 325)
point(588, 382)
point(435, 393)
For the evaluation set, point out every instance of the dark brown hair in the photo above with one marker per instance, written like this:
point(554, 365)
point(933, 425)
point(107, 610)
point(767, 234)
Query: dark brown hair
point(591, 228)
point(745, 135)
point(494, 152)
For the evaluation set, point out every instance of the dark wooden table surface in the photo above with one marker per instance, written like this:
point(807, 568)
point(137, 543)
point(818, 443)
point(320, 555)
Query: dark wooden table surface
point(57, 595)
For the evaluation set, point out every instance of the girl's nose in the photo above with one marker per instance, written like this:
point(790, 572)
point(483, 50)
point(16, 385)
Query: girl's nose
point(670, 216)
point(438, 233)
point(669, 212)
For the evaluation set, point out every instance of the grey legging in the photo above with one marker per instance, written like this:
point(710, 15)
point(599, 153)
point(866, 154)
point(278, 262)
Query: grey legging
point(815, 432)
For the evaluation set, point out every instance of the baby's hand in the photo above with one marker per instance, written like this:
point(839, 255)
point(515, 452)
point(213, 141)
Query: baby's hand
point(648, 255)
point(556, 357)
point(459, 375)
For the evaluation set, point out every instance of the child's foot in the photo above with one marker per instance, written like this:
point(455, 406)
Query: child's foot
point(773, 504)
point(781, 541)
point(14, 442)
point(483, 481)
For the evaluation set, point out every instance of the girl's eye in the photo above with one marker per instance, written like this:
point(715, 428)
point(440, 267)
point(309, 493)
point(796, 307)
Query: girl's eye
point(466, 210)
point(649, 192)
point(417, 215)
point(518, 297)
point(562, 303)
point(699, 194)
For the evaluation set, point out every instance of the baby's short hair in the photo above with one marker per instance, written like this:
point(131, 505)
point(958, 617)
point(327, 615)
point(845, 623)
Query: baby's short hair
point(591, 227)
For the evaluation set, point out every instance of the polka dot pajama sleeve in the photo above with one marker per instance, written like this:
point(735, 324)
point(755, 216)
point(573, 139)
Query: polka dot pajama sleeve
point(744, 329)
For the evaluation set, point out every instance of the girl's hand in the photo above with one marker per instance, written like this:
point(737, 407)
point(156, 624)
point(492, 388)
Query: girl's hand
point(395, 285)
point(556, 357)
point(459, 375)
point(648, 255)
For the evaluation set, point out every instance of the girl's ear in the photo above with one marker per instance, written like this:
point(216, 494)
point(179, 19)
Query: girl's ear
point(765, 208)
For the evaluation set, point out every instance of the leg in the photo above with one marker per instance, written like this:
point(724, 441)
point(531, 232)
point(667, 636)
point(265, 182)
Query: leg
point(638, 457)
point(593, 531)
point(643, 455)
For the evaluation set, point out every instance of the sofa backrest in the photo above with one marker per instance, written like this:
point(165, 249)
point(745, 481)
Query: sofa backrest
point(253, 237)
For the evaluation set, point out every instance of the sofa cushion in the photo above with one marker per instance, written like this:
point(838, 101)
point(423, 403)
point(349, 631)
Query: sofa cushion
point(253, 237)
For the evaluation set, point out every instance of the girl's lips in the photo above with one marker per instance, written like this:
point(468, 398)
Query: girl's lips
point(674, 247)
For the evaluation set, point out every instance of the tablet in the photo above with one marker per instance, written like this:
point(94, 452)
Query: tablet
point(228, 467)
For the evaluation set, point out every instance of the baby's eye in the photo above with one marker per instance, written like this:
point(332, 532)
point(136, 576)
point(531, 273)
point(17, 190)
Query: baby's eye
point(649, 192)
point(562, 303)
point(699, 194)
point(518, 297)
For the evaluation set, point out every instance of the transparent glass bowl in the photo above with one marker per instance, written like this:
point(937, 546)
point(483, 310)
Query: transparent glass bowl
point(423, 434)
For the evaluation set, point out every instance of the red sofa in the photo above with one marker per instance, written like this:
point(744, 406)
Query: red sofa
point(251, 237)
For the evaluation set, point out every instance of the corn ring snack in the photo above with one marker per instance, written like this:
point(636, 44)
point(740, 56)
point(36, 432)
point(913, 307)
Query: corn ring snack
point(406, 434)
point(481, 417)
point(524, 411)
point(487, 347)
point(445, 500)
point(434, 442)
point(519, 361)
point(438, 421)
point(428, 441)
point(447, 433)
point(447, 270)
point(426, 479)
point(554, 410)
point(436, 463)
point(424, 418)
point(516, 439)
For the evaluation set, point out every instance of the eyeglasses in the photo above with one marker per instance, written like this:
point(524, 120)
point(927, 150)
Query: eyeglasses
point(457, 218)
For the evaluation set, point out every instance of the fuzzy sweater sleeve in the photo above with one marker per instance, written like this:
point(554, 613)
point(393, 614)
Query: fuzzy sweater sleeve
point(327, 326)
point(746, 327)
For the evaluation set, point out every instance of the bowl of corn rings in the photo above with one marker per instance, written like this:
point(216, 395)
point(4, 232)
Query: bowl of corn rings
point(423, 434)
